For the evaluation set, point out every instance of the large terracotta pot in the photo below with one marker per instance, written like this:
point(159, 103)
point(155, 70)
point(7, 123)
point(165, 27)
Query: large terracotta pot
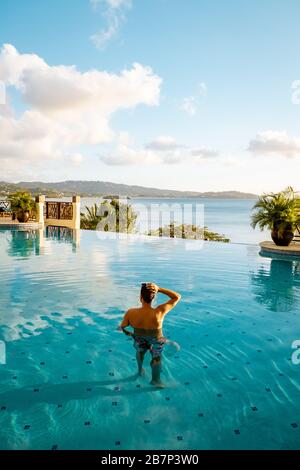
point(23, 216)
point(282, 239)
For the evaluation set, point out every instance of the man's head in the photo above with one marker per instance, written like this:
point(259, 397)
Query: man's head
point(147, 293)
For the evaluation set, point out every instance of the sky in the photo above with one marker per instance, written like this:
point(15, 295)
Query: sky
point(199, 95)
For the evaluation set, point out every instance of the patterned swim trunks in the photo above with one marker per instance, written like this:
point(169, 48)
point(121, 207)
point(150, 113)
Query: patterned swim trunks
point(145, 343)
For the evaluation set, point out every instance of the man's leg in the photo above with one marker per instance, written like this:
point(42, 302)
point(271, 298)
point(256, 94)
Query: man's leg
point(140, 359)
point(156, 369)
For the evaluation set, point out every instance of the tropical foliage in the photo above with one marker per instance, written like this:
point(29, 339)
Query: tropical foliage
point(90, 218)
point(21, 201)
point(109, 216)
point(188, 232)
point(277, 211)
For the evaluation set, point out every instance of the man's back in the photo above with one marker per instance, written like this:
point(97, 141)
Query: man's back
point(147, 323)
point(146, 318)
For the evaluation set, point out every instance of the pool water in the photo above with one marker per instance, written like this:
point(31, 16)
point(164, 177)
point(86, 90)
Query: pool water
point(69, 380)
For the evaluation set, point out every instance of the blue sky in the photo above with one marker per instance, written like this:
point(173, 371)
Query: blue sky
point(225, 115)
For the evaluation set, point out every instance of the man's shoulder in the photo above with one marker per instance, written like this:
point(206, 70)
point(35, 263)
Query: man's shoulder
point(133, 310)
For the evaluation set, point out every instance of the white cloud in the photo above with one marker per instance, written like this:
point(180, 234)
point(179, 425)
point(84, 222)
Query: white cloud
point(189, 105)
point(202, 88)
point(125, 155)
point(296, 92)
point(2, 93)
point(66, 108)
point(162, 150)
point(274, 143)
point(203, 153)
point(77, 159)
point(163, 143)
point(114, 13)
point(112, 3)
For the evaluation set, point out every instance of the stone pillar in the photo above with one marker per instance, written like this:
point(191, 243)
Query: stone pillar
point(76, 212)
point(76, 239)
point(40, 241)
point(40, 202)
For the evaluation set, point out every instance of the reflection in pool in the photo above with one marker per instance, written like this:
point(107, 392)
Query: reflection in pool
point(275, 285)
point(69, 379)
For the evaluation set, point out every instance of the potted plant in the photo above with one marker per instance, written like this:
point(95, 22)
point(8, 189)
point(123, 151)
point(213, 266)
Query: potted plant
point(279, 212)
point(21, 204)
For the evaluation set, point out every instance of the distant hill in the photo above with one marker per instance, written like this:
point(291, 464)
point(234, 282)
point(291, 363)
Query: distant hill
point(103, 188)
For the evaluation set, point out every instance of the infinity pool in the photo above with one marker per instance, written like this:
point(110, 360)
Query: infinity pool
point(69, 379)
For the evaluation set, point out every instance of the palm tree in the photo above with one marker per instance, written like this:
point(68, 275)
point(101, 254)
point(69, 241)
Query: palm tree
point(279, 212)
point(90, 218)
point(109, 216)
point(22, 205)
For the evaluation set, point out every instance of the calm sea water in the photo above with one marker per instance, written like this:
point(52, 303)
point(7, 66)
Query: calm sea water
point(230, 217)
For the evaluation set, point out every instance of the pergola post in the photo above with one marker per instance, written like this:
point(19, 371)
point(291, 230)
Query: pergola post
point(40, 202)
point(76, 212)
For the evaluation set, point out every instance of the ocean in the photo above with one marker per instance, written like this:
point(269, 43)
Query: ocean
point(230, 217)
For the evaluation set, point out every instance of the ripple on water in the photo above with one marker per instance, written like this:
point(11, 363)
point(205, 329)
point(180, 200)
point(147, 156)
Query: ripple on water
point(230, 384)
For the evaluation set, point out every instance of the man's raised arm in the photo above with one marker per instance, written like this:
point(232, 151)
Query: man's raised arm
point(174, 298)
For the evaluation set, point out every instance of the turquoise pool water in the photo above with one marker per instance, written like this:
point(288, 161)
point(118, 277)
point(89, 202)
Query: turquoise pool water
point(69, 383)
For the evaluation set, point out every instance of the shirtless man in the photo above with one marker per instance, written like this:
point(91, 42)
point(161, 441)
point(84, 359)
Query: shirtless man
point(147, 323)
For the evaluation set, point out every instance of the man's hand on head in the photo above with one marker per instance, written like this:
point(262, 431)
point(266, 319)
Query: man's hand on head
point(153, 287)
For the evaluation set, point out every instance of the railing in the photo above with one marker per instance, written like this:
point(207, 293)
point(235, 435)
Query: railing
point(5, 209)
point(5, 206)
point(59, 210)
